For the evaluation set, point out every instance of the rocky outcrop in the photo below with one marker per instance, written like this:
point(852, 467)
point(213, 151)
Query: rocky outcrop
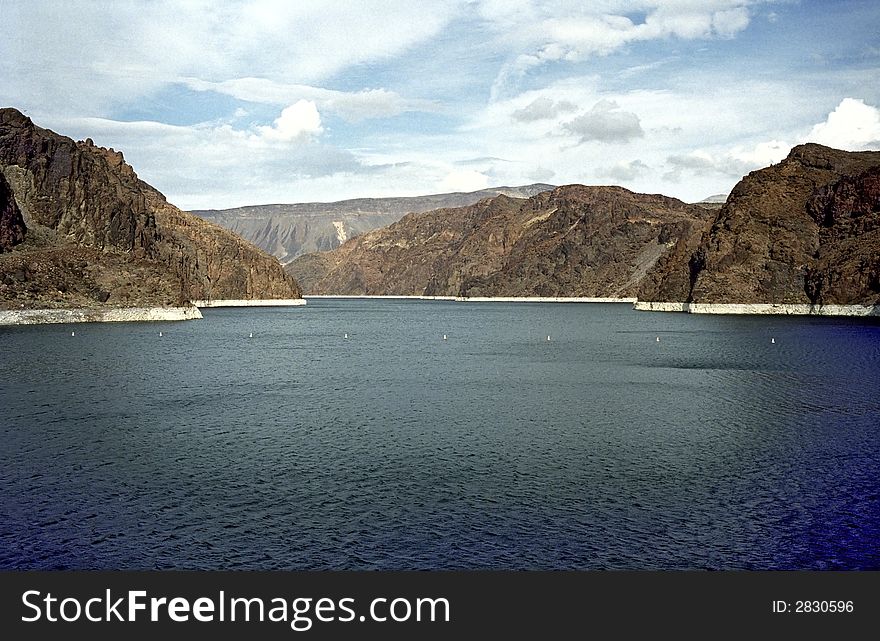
point(96, 224)
point(805, 231)
point(290, 230)
point(847, 269)
point(12, 227)
point(86, 194)
point(213, 263)
point(572, 241)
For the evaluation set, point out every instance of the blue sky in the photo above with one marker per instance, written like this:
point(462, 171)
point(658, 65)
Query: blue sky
point(221, 104)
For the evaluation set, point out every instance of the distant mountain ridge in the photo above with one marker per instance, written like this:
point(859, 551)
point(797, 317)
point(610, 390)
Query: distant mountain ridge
point(98, 235)
point(715, 201)
point(290, 230)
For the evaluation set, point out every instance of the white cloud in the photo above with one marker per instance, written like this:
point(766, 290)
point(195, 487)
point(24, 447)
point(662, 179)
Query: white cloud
point(85, 57)
point(735, 162)
point(698, 163)
point(573, 31)
point(352, 106)
point(541, 175)
point(730, 22)
point(853, 125)
point(372, 103)
point(464, 180)
point(624, 172)
point(542, 108)
point(606, 122)
point(299, 121)
point(760, 155)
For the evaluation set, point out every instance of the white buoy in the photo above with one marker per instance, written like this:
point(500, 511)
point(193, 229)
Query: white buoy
point(772, 340)
point(346, 336)
point(658, 339)
point(251, 335)
point(444, 337)
point(548, 338)
point(160, 334)
point(73, 333)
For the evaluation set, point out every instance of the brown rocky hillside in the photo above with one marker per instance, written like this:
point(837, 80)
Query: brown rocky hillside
point(806, 230)
point(98, 235)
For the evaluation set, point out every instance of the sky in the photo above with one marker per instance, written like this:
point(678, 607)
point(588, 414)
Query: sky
point(224, 104)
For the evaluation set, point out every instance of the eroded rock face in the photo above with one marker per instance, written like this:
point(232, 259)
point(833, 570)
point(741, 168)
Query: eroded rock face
point(847, 268)
point(571, 241)
point(76, 194)
point(213, 263)
point(12, 227)
point(85, 193)
point(802, 231)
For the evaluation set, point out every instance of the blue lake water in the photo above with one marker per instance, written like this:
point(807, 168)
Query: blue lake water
point(395, 449)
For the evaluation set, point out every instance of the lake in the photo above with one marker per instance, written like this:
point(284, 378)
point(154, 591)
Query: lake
point(732, 442)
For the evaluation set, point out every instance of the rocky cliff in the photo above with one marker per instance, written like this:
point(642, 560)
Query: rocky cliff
point(12, 227)
point(571, 241)
point(806, 230)
point(100, 235)
point(288, 231)
point(214, 263)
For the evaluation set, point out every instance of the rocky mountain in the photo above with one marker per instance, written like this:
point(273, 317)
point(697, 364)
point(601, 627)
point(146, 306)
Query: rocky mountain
point(97, 234)
point(806, 230)
point(571, 241)
point(12, 227)
point(287, 231)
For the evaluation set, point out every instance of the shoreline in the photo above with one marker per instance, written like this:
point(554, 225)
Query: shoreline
point(482, 299)
point(254, 302)
point(379, 296)
point(542, 299)
point(87, 315)
point(149, 314)
point(764, 309)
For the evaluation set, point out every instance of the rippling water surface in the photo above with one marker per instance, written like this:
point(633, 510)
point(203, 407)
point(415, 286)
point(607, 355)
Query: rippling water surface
point(496, 448)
